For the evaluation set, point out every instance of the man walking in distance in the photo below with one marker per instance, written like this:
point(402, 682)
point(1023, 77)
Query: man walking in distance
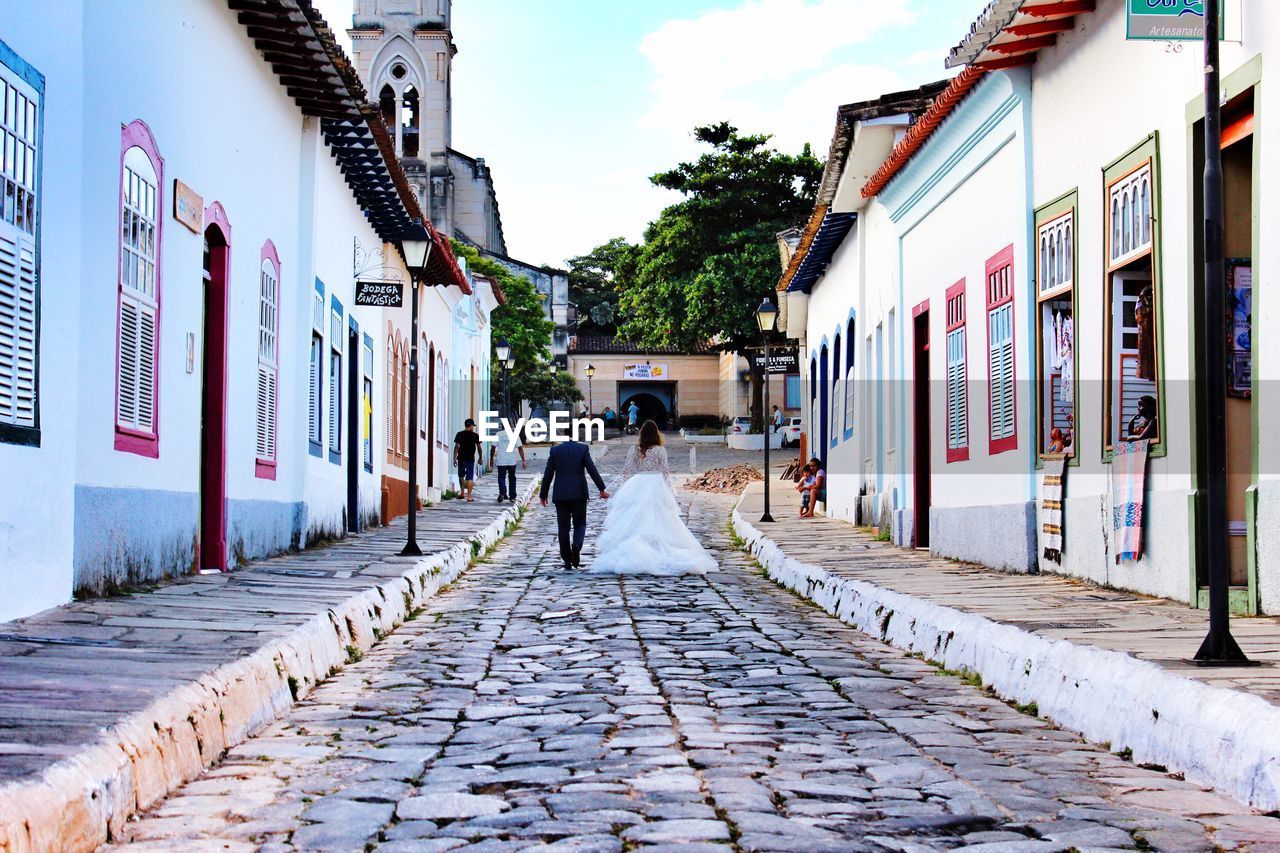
point(466, 453)
point(505, 458)
point(568, 465)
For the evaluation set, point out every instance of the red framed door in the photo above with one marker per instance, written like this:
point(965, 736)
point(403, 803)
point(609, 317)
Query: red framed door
point(213, 420)
point(921, 467)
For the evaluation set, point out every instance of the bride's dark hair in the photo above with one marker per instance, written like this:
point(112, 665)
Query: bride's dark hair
point(649, 436)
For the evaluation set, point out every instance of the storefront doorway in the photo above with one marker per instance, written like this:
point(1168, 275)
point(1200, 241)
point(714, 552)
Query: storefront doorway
point(1239, 165)
point(921, 438)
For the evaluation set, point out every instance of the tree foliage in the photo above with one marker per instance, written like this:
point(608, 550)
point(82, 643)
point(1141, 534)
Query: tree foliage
point(595, 280)
point(708, 260)
point(522, 321)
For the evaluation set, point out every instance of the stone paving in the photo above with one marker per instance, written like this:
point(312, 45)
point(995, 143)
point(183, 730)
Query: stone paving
point(53, 696)
point(1164, 632)
point(529, 707)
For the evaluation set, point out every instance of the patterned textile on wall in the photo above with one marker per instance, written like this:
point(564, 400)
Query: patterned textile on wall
point(1051, 491)
point(1128, 477)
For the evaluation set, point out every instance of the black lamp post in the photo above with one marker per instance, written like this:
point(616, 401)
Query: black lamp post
point(1219, 647)
point(554, 367)
point(416, 246)
point(766, 318)
point(508, 366)
point(503, 350)
point(591, 371)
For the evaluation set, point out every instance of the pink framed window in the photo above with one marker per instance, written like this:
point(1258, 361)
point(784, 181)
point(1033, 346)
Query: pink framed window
point(1003, 397)
point(957, 375)
point(138, 284)
point(268, 407)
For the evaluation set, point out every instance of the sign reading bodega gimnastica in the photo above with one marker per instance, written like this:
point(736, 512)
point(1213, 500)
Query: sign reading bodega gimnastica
point(1169, 20)
point(379, 294)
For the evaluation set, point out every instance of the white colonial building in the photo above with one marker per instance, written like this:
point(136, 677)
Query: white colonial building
point(185, 381)
point(1013, 273)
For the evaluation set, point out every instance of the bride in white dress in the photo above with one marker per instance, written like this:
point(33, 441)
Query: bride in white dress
point(643, 532)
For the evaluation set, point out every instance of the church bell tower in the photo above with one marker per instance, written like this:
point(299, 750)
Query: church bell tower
point(404, 53)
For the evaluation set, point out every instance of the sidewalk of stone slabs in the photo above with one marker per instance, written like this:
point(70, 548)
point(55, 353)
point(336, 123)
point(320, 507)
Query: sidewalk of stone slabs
point(1108, 664)
point(111, 704)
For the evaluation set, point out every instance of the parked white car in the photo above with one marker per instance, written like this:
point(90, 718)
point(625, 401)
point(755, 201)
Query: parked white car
point(741, 426)
point(790, 430)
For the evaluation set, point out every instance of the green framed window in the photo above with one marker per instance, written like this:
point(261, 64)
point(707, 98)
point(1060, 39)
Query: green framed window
point(1133, 358)
point(1056, 355)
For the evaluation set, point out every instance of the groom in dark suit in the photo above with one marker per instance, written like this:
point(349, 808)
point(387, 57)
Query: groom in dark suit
point(568, 465)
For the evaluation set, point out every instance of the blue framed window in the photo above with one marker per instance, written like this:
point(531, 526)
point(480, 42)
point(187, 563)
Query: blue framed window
point(336, 336)
point(315, 376)
point(792, 393)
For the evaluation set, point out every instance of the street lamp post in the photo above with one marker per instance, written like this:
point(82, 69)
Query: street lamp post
point(591, 371)
point(1219, 647)
point(503, 349)
point(416, 251)
point(554, 366)
point(508, 366)
point(766, 317)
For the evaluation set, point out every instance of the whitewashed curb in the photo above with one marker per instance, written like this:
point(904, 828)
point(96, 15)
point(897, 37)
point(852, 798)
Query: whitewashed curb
point(1222, 738)
point(83, 801)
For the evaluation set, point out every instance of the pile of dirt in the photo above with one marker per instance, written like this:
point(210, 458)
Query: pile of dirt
point(731, 480)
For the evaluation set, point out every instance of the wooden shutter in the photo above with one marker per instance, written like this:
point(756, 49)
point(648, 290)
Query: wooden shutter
point(266, 442)
point(313, 391)
point(1003, 409)
point(136, 369)
point(1000, 357)
point(957, 396)
point(17, 327)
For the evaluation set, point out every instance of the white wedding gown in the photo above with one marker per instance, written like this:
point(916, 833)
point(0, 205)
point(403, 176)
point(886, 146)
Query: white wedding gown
point(643, 532)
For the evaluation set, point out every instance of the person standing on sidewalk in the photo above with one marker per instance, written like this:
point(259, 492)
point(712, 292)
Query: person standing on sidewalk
point(777, 419)
point(504, 455)
point(466, 453)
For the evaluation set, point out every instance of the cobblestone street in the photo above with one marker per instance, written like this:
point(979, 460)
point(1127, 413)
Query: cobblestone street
point(527, 705)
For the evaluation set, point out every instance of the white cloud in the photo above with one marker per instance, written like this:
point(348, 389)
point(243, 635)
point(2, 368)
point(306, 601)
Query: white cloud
point(761, 65)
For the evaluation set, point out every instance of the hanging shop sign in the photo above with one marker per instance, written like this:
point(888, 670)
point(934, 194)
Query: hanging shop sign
point(379, 294)
point(780, 361)
point(1169, 20)
point(644, 371)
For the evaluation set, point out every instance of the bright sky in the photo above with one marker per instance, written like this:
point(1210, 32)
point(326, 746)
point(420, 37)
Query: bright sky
point(574, 103)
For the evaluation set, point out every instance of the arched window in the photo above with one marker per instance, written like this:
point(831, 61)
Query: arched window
point(409, 118)
point(442, 383)
point(138, 285)
point(1146, 211)
point(268, 361)
point(848, 379)
point(403, 434)
point(387, 106)
point(390, 402)
point(824, 403)
point(422, 386)
point(837, 393)
point(815, 416)
point(1115, 229)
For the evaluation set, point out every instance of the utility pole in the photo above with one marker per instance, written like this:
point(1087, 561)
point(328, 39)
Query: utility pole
point(1219, 647)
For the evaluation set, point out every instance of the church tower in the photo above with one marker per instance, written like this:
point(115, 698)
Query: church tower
point(404, 53)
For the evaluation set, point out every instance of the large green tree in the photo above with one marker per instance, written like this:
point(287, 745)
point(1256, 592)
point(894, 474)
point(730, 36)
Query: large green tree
point(595, 280)
point(708, 260)
point(522, 321)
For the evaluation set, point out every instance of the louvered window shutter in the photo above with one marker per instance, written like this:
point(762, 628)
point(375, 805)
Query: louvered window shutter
point(1000, 342)
point(957, 404)
point(17, 327)
point(313, 392)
